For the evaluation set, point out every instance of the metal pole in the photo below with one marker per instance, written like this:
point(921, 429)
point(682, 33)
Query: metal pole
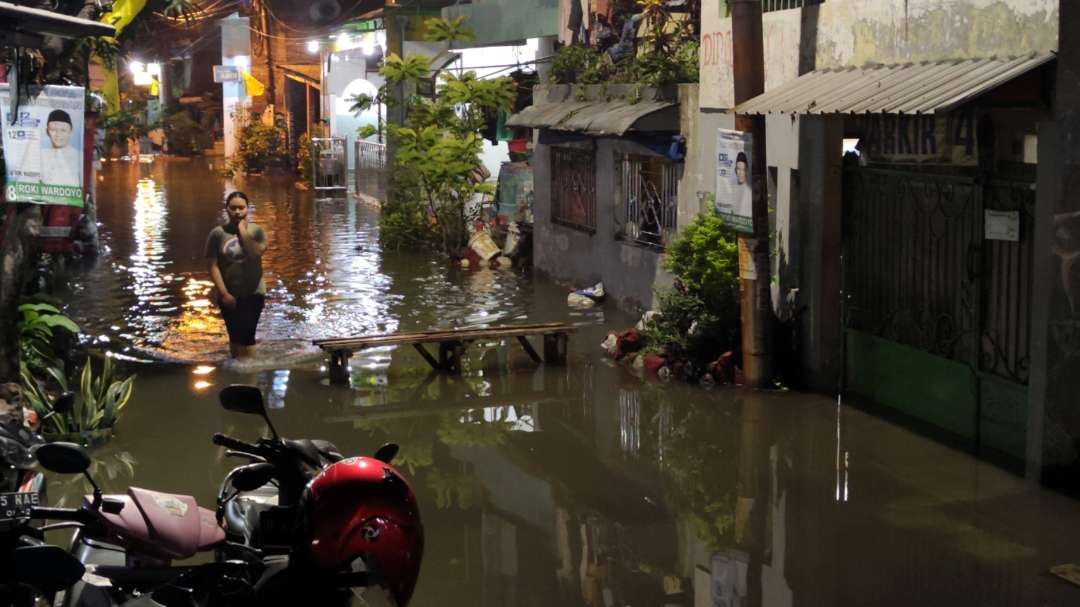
point(749, 80)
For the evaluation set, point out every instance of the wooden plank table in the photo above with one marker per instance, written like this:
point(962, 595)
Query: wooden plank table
point(452, 344)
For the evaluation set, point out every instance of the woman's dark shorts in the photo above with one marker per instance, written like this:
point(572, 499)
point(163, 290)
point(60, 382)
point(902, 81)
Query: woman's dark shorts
point(241, 320)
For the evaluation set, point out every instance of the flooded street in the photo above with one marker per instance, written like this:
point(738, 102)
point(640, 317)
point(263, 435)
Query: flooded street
point(576, 485)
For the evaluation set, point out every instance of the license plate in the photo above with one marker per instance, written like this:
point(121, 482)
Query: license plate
point(17, 505)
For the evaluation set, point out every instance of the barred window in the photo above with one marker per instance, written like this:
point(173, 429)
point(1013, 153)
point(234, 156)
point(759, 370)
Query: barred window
point(779, 5)
point(647, 202)
point(573, 188)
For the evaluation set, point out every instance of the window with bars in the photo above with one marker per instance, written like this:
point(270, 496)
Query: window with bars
point(573, 188)
point(779, 5)
point(647, 202)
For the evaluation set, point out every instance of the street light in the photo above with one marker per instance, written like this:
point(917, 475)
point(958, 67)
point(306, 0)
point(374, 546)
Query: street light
point(154, 69)
point(312, 46)
point(137, 66)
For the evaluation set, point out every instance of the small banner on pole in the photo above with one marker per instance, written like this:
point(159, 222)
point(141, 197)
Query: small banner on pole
point(734, 192)
point(43, 145)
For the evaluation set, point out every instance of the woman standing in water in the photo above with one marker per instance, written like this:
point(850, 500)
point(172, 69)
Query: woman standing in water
point(234, 252)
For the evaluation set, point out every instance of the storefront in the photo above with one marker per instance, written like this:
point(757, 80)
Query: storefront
point(936, 242)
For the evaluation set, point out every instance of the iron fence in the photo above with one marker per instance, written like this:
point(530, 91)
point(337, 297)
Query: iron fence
point(779, 5)
point(370, 168)
point(1007, 285)
point(647, 202)
point(329, 164)
point(573, 188)
point(920, 272)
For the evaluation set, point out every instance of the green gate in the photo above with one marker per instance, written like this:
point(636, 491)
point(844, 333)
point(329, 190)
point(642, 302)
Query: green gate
point(936, 317)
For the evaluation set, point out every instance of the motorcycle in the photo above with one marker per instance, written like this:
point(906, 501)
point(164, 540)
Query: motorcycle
point(21, 482)
point(299, 524)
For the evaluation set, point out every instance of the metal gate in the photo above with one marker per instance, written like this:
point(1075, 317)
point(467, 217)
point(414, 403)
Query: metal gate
point(937, 318)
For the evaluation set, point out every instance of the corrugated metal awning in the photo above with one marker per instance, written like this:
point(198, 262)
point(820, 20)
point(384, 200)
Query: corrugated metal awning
point(600, 117)
point(39, 21)
point(910, 88)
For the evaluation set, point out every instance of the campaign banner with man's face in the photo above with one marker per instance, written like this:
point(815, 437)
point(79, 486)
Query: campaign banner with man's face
point(734, 193)
point(43, 145)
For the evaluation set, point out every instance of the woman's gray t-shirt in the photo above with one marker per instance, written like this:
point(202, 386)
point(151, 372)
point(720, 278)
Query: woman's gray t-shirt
point(241, 272)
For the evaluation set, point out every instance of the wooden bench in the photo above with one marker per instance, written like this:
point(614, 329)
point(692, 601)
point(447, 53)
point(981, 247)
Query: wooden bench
point(452, 344)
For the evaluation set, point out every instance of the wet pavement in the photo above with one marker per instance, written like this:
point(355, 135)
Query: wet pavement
point(580, 485)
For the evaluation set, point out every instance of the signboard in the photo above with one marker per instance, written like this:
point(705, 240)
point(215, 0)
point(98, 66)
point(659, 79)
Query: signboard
point(43, 145)
point(1002, 225)
point(933, 138)
point(226, 73)
point(734, 193)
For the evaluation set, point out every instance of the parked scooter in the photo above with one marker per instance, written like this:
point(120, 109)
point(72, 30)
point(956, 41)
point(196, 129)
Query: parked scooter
point(330, 528)
point(30, 569)
point(22, 484)
point(345, 524)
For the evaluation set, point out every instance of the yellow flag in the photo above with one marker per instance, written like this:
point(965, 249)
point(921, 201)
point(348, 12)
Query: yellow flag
point(252, 87)
point(123, 13)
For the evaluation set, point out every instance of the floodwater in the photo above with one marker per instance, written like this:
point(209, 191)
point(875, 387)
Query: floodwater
point(575, 485)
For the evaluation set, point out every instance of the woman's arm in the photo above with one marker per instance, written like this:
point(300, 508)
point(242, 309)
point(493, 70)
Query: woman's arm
point(252, 246)
point(227, 300)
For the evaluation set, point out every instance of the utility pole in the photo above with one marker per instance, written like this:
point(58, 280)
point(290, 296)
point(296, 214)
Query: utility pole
point(749, 74)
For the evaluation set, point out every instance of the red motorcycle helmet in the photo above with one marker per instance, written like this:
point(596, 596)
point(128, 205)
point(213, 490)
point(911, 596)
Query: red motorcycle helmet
point(363, 516)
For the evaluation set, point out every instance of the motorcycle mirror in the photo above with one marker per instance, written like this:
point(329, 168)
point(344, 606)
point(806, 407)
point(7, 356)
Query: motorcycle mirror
point(62, 458)
point(252, 476)
point(64, 403)
point(386, 453)
point(241, 398)
point(47, 568)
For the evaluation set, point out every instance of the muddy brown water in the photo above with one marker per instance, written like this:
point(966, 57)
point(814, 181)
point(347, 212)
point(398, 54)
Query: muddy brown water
point(576, 485)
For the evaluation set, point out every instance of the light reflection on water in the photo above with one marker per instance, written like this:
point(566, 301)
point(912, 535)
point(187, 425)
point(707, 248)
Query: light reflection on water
point(325, 270)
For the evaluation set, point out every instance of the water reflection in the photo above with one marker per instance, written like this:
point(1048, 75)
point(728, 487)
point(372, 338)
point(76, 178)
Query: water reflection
point(325, 269)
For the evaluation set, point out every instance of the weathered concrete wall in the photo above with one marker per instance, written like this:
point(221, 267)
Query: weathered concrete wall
point(842, 33)
point(580, 259)
point(506, 21)
point(630, 272)
point(1054, 450)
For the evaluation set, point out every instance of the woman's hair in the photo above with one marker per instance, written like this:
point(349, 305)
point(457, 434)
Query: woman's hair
point(740, 158)
point(237, 194)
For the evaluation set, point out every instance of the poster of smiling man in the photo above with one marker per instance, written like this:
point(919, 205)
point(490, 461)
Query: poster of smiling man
point(43, 145)
point(734, 194)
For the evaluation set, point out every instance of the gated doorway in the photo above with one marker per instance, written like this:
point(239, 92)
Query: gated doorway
point(936, 316)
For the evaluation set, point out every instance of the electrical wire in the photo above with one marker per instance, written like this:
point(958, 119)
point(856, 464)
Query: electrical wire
point(347, 17)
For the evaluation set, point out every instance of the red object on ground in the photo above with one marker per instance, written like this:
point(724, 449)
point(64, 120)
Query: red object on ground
point(653, 362)
point(626, 342)
point(518, 145)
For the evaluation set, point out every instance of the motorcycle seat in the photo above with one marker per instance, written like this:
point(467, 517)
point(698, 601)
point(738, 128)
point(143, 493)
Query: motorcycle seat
point(163, 525)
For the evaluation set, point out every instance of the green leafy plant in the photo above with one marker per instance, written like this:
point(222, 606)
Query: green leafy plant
point(186, 136)
point(438, 147)
point(448, 30)
point(37, 325)
point(99, 402)
point(705, 257)
point(303, 158)
point(259, 146)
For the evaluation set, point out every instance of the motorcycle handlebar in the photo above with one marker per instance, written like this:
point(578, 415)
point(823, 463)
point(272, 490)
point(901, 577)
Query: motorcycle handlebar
point(231, 443)
point(74, 515)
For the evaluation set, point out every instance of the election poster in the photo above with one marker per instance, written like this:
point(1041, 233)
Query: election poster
point(734, 193)
point(43, 145)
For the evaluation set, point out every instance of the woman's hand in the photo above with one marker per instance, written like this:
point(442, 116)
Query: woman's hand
point(228, 301)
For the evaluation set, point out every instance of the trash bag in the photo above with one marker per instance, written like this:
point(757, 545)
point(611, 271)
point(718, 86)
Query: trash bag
point(586, 298)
